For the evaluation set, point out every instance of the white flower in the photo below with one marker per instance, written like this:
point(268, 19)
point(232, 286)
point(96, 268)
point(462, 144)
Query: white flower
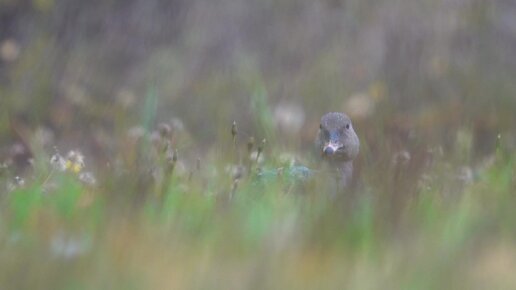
point(58, 162)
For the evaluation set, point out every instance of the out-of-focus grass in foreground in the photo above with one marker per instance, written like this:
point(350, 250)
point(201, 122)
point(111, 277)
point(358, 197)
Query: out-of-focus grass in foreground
point(212, 229)
point(185, 204)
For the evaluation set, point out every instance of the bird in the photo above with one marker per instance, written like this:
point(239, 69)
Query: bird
point(338, 145)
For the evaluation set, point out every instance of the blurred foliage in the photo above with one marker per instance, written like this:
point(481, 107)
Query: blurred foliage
point(148, 90)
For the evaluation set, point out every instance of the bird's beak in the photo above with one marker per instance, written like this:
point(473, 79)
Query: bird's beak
point(329, 149)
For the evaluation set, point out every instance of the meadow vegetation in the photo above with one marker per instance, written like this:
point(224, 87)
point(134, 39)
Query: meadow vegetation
point(158, 145)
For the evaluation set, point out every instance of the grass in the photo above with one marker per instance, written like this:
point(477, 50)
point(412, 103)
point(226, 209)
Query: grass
point(189, 205)
point(210, 229)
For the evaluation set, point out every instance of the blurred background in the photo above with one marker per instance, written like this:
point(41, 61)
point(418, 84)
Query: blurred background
point(75, 66)
point(430, 86)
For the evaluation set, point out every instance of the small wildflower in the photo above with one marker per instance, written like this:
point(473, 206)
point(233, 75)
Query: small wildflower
point(76, 168)
point(87, 178)
point(58, 162)
point(69, 164)
point(75, 161)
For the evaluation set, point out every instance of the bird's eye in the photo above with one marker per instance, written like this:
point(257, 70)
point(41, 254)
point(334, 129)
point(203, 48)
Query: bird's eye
point(347, 126)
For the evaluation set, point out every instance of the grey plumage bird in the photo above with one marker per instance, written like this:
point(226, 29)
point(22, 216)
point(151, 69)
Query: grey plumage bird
point(338, 144)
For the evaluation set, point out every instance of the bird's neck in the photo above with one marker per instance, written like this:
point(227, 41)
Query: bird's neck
point(344, 172)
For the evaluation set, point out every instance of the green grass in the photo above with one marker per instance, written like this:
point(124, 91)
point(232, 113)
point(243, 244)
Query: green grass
point(206, 232)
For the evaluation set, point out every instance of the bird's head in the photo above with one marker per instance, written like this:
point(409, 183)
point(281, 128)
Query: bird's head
point(336, 139)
